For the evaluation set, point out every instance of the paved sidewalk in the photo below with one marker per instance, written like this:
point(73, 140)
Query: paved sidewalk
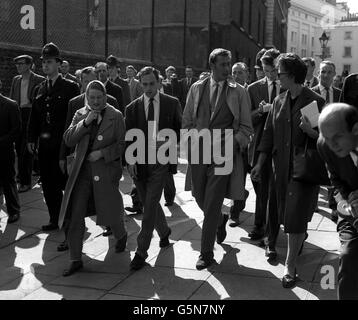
point(31, 268)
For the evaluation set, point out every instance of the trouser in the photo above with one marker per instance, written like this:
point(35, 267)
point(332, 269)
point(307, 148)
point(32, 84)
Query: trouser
point(81, 195)
point(24, 157)
point(262, 193)
point(273, 221)
point(348, 261)
point(8, 185)
point(150, 190)
point(135, 197)
point(169, 188)
point(53, 182)
point(209, 192)
point(331, 201)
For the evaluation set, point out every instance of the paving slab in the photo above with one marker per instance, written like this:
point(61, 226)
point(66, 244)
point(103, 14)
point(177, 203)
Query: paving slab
point(10, 233)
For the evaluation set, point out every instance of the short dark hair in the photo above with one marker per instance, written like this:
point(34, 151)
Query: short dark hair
point(328, 63)
point(269, 57)
point(310, 60)
point(294, 66)
point(148, 70)
point(243, 65)
point(259, 55)
point(218, 52)
point(87, 70)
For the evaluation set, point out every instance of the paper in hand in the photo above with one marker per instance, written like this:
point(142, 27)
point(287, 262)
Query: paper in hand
point(311, 112)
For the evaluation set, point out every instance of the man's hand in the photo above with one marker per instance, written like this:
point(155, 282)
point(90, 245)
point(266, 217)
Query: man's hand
point(94, 156)
point(305, 125)
point(62, 166)
point(31, 147)
point(256, 173)
point(132, 169)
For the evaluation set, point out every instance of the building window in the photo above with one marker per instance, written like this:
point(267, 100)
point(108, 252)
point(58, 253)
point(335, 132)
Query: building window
point(348, 35)
point(312, 42)
point(347, 52)
point(304, 39)
point(303, 53)
point(347, 68)
point(306, 16)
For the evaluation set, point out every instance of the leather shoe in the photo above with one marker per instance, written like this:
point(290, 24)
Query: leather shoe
point(121, 244)
point(270, 253)
point(74, 267)
point(221, 231)
point(289, 281)
point(137, 263)
point(164, 242)
point(63, 246)
point(204, 261)
point(257, 233)
point(13, 218)
point(169, 203)
point(23, 188)
point(50, 227)
point(107, 232)
point(137, 210)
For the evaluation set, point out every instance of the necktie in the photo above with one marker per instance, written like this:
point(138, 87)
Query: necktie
point(50, 85)
point(150, 110)
point(327, 95)
point(273, 92)
point(214, 97)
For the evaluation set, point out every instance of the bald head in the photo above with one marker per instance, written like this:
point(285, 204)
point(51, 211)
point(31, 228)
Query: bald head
point(338, 126)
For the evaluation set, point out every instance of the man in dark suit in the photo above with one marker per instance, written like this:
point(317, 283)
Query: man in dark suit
point(171, 84)
point(186, 83)
point(327, 71)
point(262, 94)
point(350, 90)
point(10, 128)
point(149, 114)
point(47, 124)
point(112, 89)
point(311, 80)
point(65, 70)
point(338, 145)
point(114, 76)
point(22, 91)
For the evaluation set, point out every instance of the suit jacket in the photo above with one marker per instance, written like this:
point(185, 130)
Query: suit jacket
point(172, 88)
point(49, 112)
point(15, 90)
point(184, 89)
point(336, 93)
point(238, 102)
point(116, 91)
point(169, 118)
point(108, 170)
point(75, 104)
point(10, 127)
point(125, 88)
point(135, 89)
point(350, 90)
point(314, 82)
point(343, 174)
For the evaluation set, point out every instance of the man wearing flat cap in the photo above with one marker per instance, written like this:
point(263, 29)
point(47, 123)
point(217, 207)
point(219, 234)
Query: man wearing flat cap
point(47, 125)
point(22, 91)
point(113, 68)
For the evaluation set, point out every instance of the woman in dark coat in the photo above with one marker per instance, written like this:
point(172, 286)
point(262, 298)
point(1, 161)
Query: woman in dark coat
point(97, 131)
point(285, 131)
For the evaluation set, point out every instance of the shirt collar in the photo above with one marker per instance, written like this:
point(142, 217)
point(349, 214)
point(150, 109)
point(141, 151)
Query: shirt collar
point(53, 79)
point(321, 88)
point(155, 98)
point(270, 82)
point(213, 82)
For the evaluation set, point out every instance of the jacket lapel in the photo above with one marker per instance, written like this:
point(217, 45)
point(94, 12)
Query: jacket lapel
point(162, 113)
point(221, 101)
point(200, 96)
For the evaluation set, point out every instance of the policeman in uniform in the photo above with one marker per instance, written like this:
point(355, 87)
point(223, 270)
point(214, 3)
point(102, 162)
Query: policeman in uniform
point(47, 125)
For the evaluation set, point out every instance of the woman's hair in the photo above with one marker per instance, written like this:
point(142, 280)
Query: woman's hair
point(97, 85)
point(294, 66)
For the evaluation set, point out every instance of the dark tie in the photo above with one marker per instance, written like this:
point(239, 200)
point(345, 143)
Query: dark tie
point(150, 110)
point(214, 97)
point(273, 92)
point(50, 85)
point(327, 95)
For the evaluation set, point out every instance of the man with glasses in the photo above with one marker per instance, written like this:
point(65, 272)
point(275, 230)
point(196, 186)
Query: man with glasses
point(22, 91)
point(262, 94)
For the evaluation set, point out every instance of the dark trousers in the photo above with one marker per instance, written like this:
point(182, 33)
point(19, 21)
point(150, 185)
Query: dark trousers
point(53, 181)
point(24, 157)
point(169, 189)
point(135, 197)
point(150, 190)
point(262, 193)
point(209, 194)
point(8, 185)
point(348, 262)
point(273, 220)
point(331, 201)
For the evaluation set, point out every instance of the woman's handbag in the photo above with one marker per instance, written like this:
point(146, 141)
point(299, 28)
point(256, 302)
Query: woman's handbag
point(308, 166)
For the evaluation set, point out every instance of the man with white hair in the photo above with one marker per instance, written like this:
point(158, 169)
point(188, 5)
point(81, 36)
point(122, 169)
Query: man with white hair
point(338, 146)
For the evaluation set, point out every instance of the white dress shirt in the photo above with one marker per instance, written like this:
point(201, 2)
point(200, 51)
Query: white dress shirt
point(322, 89)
